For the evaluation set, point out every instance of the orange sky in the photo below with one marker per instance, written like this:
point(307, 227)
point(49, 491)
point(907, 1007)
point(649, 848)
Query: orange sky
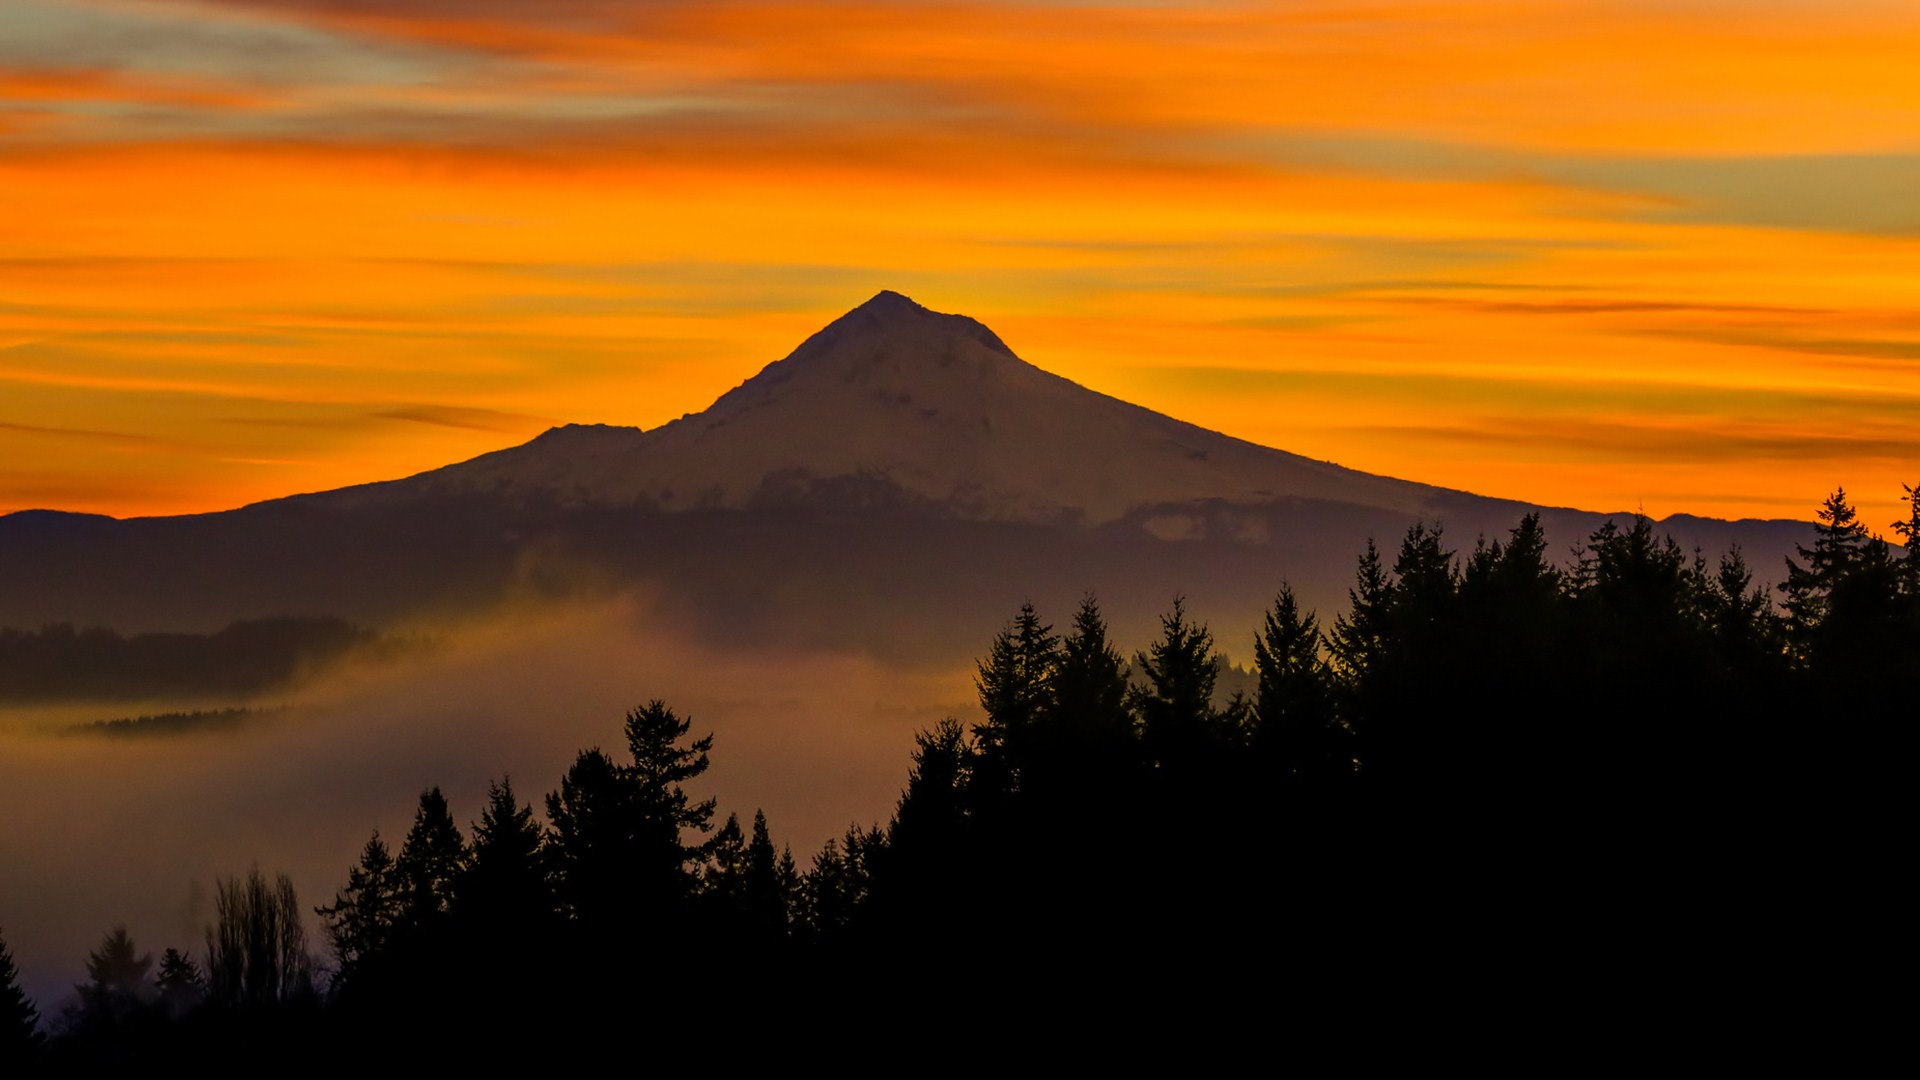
point(1613, 255)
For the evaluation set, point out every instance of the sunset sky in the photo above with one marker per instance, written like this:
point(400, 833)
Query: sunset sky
point(1661, 254)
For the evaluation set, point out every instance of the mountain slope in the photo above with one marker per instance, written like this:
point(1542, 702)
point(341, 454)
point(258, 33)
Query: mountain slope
point(896, 404)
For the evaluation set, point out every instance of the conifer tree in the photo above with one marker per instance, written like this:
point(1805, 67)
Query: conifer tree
point(1090, 691)
point(1909, 533)
point(1179, 727)
point(1359, 636)
point(429, 863)
point(179, 983)
point(361, 920)
point(724, 879)
point(766, 894)
point(505, 880)
point(116, 985)
point(620, 832)
point(1840, 547)
point(20, 1038)
point(1294, 723)
point(1015, 683)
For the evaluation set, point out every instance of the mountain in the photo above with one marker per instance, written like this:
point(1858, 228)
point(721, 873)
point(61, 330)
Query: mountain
point(901, 480)
point(893, 404)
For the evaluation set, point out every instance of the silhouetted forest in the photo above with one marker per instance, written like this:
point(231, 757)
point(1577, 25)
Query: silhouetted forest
point(1540, 773)
point(97, 664)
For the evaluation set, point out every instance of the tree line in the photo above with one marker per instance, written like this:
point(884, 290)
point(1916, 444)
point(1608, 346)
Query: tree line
point(1490, 756)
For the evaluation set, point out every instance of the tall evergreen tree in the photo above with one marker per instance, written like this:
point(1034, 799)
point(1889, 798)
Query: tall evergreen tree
point(1090, 694)
point(1359, 636)
point(179, 983)
point(505, 884)
point(116, 986)
point(361, 920)
point(724, 878)
point(1016, 686)
point(766, 894)
point(1179, 727)
point(429, 863)
point(1840, 546)
point(1295, 727)
point(620, 832)
point(20, 1040)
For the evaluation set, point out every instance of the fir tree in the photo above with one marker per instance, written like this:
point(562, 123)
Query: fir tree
point(20, 1038)
point(116, 985)
point(1359, 636)
point(766, 894)
point(429, 863)
point(361, 920)
point(620, 832)
point(1090, 691)
point(179, 983)
point(1179, 727)
point(1294, 723)
point(504, 885)
point(1840, 546)
point(1015, 683)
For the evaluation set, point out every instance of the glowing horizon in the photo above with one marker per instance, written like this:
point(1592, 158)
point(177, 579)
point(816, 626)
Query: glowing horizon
point(1617, 255)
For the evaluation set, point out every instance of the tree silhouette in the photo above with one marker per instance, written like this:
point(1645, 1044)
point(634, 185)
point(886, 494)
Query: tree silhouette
point(1841, 546)
point(1295, 727)
point(363, 916)
point(116, 986)
point(1180, 729)
point(1016, 690)
point(504, 886)
point(1090, 697)
point(766, 895)
point(20, 1040)
point(180, 984)
point(429, 863)
point(619, 831)
point(257, 948)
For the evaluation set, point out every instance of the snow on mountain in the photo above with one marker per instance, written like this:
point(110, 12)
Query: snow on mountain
point(893, 403)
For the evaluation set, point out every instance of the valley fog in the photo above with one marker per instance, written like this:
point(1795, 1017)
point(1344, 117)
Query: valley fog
point(136, 830)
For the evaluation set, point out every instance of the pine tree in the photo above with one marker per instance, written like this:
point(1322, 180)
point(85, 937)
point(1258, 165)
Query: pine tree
point(20, 1038)
point(1090, 691)
point(1015, 683)
point(724, 879)
point(429, 863)
point(1294, 723)
point(116, 985)
point(619, 832)
point(361, 920)
point(1359, 636)
point(179, 984)
point(504, 886)
point(766, 894)
point(1840, 546)
point(1909, 533)
point(1179, 727)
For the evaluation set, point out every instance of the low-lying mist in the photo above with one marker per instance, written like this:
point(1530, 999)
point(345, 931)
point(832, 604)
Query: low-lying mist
point(108, 831)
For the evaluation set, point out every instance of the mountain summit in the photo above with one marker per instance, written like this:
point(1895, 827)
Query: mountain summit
point(893, 404)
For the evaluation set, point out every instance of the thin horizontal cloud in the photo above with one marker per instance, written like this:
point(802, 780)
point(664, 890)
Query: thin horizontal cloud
point(1698, 442)
point(466, 418)
point(122, 440)
point(1897, 349)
